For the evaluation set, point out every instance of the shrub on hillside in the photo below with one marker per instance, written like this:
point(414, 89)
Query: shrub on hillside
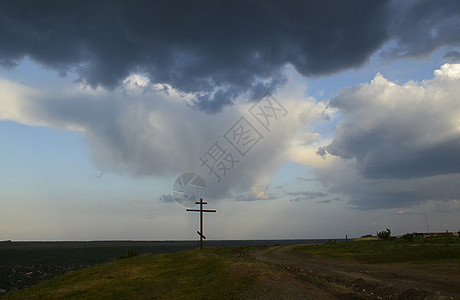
point(384, 235)
point(130, 253)
point(410, 237)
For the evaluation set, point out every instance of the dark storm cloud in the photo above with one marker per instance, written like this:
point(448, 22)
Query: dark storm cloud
point(305, 179)
point(383, 155)
point(218, 50)
point(419, 27)
point(442, 158)
point(406, 193)
point(452, 56)
point(324, 201)
point(321, 151)
point(365, 194)
point(305, 195)
point(252, 197)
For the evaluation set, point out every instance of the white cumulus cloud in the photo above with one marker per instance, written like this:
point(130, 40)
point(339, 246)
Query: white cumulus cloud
point(398, 144)
point(142, 129)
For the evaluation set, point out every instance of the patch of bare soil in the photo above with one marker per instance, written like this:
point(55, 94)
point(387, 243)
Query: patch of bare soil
point(345, 279)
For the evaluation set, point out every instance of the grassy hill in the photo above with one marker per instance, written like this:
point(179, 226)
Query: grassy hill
point(214, 273)
point(231, 273)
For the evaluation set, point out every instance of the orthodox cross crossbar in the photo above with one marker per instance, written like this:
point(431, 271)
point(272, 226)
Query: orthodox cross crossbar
point(201, 210)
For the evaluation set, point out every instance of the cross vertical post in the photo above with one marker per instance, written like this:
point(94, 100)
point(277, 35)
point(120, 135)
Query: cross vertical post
point(201, 210)
point(201, 224)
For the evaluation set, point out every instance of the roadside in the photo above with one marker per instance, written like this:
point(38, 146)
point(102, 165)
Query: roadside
point(348, 279)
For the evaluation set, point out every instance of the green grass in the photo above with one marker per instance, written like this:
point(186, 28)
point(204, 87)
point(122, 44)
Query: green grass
point(215, 273)
point(221, 272)
point(392, 251)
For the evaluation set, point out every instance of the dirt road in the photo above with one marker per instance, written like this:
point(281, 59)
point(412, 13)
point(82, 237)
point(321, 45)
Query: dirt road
point(345, 279)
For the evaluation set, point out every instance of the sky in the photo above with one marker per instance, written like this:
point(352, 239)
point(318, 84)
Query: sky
point(305, 119)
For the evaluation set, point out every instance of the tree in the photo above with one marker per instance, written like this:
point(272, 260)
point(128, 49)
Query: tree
point(410, 237)
point(130, 253)
point(384, 235)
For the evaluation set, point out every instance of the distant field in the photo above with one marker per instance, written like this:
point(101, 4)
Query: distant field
point(95, 252)
point(392, 251)
point(74, 253)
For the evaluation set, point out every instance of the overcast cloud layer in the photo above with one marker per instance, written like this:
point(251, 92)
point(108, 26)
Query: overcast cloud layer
point(218, 50)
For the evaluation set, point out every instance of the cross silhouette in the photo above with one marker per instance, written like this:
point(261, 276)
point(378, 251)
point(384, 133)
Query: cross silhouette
point(201, 210)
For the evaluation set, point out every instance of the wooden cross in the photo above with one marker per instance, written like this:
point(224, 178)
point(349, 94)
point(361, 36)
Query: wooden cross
point(201, 210)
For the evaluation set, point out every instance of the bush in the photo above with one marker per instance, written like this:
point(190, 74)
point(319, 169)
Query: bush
point(130, 253)
point(410, 237)
point(367, 235)
point(384, 235)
